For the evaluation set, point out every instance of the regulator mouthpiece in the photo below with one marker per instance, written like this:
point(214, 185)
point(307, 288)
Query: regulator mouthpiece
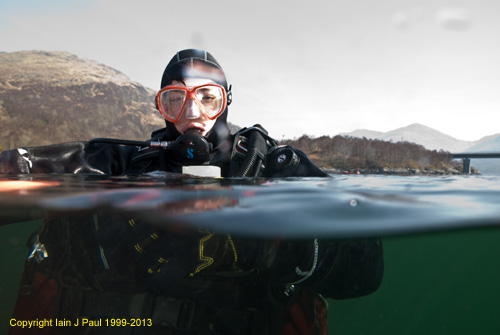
point(194, 131)
point(192, 149)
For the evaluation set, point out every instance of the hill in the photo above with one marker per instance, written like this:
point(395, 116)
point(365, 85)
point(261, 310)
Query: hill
point(347, 154)
point(52, 97)
point(487, 144)
point(373, 134)
point(430, 138)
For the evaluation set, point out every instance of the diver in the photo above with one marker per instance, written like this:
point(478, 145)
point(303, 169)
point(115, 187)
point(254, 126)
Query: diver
point(106, 267)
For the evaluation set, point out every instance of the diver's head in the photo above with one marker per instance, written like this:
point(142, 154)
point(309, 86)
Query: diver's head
point(194, 94)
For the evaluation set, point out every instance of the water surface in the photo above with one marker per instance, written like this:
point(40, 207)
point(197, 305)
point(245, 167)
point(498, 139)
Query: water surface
point(343, 206)
point(441, 234)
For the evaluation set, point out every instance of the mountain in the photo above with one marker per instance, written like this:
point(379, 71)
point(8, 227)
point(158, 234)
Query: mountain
point(435, 140)
point(364, 133)
point(53, 97)
point(430, 138)
point(487, 144)
point(417, 133)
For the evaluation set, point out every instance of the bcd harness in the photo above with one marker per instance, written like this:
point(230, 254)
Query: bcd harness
point(250, 147)
point(254, 154)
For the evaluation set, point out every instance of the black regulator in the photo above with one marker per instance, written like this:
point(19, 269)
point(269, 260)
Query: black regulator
point(189, 149)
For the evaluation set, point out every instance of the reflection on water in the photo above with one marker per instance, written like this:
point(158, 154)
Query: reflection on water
point(344, 206)
point(441, 271)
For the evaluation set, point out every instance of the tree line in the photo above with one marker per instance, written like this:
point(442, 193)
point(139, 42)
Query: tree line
point(349, 153)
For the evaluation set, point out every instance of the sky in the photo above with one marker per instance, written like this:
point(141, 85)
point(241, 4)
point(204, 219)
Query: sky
point(296, 67)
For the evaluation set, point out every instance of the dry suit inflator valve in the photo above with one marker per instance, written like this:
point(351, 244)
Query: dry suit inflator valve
point(282, 158)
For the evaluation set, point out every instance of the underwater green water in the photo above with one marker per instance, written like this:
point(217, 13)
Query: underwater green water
point(435, 283)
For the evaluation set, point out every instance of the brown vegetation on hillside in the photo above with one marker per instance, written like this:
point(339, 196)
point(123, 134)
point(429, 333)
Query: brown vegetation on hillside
point(53, 97)
point(351, 153)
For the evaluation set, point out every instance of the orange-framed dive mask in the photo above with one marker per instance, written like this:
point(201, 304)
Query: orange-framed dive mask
point(210, 98)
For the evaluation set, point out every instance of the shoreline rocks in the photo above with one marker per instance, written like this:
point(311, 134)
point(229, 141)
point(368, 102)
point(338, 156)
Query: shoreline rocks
point(402, 171)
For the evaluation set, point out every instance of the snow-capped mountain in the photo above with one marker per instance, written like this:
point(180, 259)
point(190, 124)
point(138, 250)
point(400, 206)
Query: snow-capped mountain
point(430, 138)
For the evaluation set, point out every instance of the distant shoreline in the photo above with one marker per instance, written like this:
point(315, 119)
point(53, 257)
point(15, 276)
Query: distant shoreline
point(401, 172)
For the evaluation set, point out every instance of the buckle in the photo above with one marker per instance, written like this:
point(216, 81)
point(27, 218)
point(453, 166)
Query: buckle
point(39, 253)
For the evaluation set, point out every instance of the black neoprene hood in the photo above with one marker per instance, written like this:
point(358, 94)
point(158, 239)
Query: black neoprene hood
point(195, 63)
point(191, 63)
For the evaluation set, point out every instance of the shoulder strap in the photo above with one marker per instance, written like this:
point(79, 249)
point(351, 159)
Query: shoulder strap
point(249, 150)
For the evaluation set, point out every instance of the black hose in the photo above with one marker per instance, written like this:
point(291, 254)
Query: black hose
point(122, 142)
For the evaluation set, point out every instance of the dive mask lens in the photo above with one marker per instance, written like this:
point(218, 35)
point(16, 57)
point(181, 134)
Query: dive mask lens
point(171, 102)
point(211, 99)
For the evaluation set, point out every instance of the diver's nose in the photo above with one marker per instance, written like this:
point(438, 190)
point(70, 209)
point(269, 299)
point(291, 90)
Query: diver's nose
point(192, 109)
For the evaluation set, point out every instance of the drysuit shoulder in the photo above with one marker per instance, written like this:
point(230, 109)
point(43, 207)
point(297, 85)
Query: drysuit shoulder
point(71, 157)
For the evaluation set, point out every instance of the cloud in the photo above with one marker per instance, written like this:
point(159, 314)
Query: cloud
point(453, 18)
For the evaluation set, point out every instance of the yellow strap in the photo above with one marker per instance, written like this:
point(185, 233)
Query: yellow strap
point(158, 265)
point(207, 261)
point(233, 247)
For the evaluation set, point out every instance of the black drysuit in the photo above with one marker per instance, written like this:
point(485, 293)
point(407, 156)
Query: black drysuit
point(109, 268)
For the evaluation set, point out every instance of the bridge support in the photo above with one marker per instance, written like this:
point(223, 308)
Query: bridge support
point(466, 169)
point(466, 156)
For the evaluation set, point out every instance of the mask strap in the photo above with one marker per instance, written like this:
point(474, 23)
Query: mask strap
point(229, 96)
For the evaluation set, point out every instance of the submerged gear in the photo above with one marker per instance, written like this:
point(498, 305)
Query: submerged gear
point(189, 282)
point(172, 100)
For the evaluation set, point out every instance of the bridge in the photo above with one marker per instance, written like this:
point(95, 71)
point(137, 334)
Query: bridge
point(467, 156)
